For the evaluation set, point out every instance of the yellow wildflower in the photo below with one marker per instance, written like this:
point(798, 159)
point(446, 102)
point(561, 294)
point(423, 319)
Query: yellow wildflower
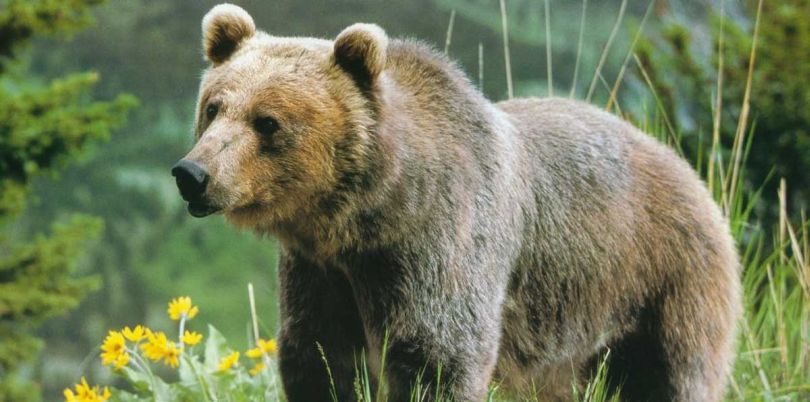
point(256, 369)
point(158, 346)
point(155, 346)
point(114, 350)
point(180, 306)
point(134, 335)
point(171, 355)
point(269, 346)
point(191, 338)
point(86, 394)
point(265, 346)
point(228, 361)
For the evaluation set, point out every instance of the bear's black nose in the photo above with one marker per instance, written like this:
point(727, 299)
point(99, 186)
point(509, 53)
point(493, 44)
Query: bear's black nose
point(191, 179)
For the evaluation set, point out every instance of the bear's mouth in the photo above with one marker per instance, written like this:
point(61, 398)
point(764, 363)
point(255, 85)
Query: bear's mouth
point(201, 210)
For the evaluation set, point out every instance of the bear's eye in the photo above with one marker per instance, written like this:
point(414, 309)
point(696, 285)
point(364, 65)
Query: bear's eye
point(211, 111)
point(266, 125)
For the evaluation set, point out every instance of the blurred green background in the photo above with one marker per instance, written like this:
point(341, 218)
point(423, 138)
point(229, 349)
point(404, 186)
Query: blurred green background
point(147, 249)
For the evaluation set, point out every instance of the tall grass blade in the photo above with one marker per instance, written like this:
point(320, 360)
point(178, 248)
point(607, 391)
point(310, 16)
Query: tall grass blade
point(573, 92)
point(606, 85)
point(630, 52)
point(606, 50)
point(718, 104)
point(481, 66)
point(746, 103)
point(332, 389)
point(549, 75)
point(449, 37)
point(670, 130)
point(253, 316)
point(508, 64)
point(381, 374)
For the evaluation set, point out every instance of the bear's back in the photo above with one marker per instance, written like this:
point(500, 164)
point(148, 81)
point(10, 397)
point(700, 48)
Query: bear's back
point(598, 179)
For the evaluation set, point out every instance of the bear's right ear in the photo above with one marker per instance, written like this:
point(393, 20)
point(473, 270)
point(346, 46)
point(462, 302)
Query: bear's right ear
point(224, 28)
point(360, 50)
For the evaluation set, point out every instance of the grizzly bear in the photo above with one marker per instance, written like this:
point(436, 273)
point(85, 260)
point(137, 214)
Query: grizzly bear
point(457, 244)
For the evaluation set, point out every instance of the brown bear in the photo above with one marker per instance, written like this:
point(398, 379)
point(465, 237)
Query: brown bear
point(511, 243)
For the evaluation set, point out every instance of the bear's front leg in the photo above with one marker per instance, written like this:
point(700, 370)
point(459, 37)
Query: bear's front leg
point(317, 308)
point(434, 371)
point(441, 338)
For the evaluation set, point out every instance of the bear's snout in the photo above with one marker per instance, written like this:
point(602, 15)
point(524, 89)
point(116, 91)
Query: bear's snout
point(192, 180)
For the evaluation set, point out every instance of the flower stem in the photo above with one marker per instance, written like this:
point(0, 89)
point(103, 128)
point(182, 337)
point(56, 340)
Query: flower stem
point(182, 329)
point(200, 379)
point(144, 366)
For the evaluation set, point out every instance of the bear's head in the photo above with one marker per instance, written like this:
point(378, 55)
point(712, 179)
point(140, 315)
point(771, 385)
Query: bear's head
point(282, 124)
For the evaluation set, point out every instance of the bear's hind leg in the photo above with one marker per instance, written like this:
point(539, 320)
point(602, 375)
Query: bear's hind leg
point(697, 330)
point(681, 351)
point(637, 368)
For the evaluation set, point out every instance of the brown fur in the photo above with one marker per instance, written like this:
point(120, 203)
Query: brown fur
point(513, 242)
point(223, 28)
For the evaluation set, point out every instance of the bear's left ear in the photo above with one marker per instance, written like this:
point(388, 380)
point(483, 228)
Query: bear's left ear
point(224, 28)
point(360, 50)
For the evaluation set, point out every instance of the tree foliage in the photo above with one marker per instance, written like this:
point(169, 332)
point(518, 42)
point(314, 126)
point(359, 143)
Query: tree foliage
point(42, 128)
point(21, 20)
point(685, 82)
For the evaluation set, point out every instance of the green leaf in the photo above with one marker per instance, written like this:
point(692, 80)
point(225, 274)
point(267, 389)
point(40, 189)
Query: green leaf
point(216, 347)
point(194, 379)
point(138, 379)
point(123, 396)
point(186, 369)
point(143, 382)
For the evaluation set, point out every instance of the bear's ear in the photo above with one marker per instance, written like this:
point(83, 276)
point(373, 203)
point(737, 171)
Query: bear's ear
point(360, 50)
point(224, 28)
